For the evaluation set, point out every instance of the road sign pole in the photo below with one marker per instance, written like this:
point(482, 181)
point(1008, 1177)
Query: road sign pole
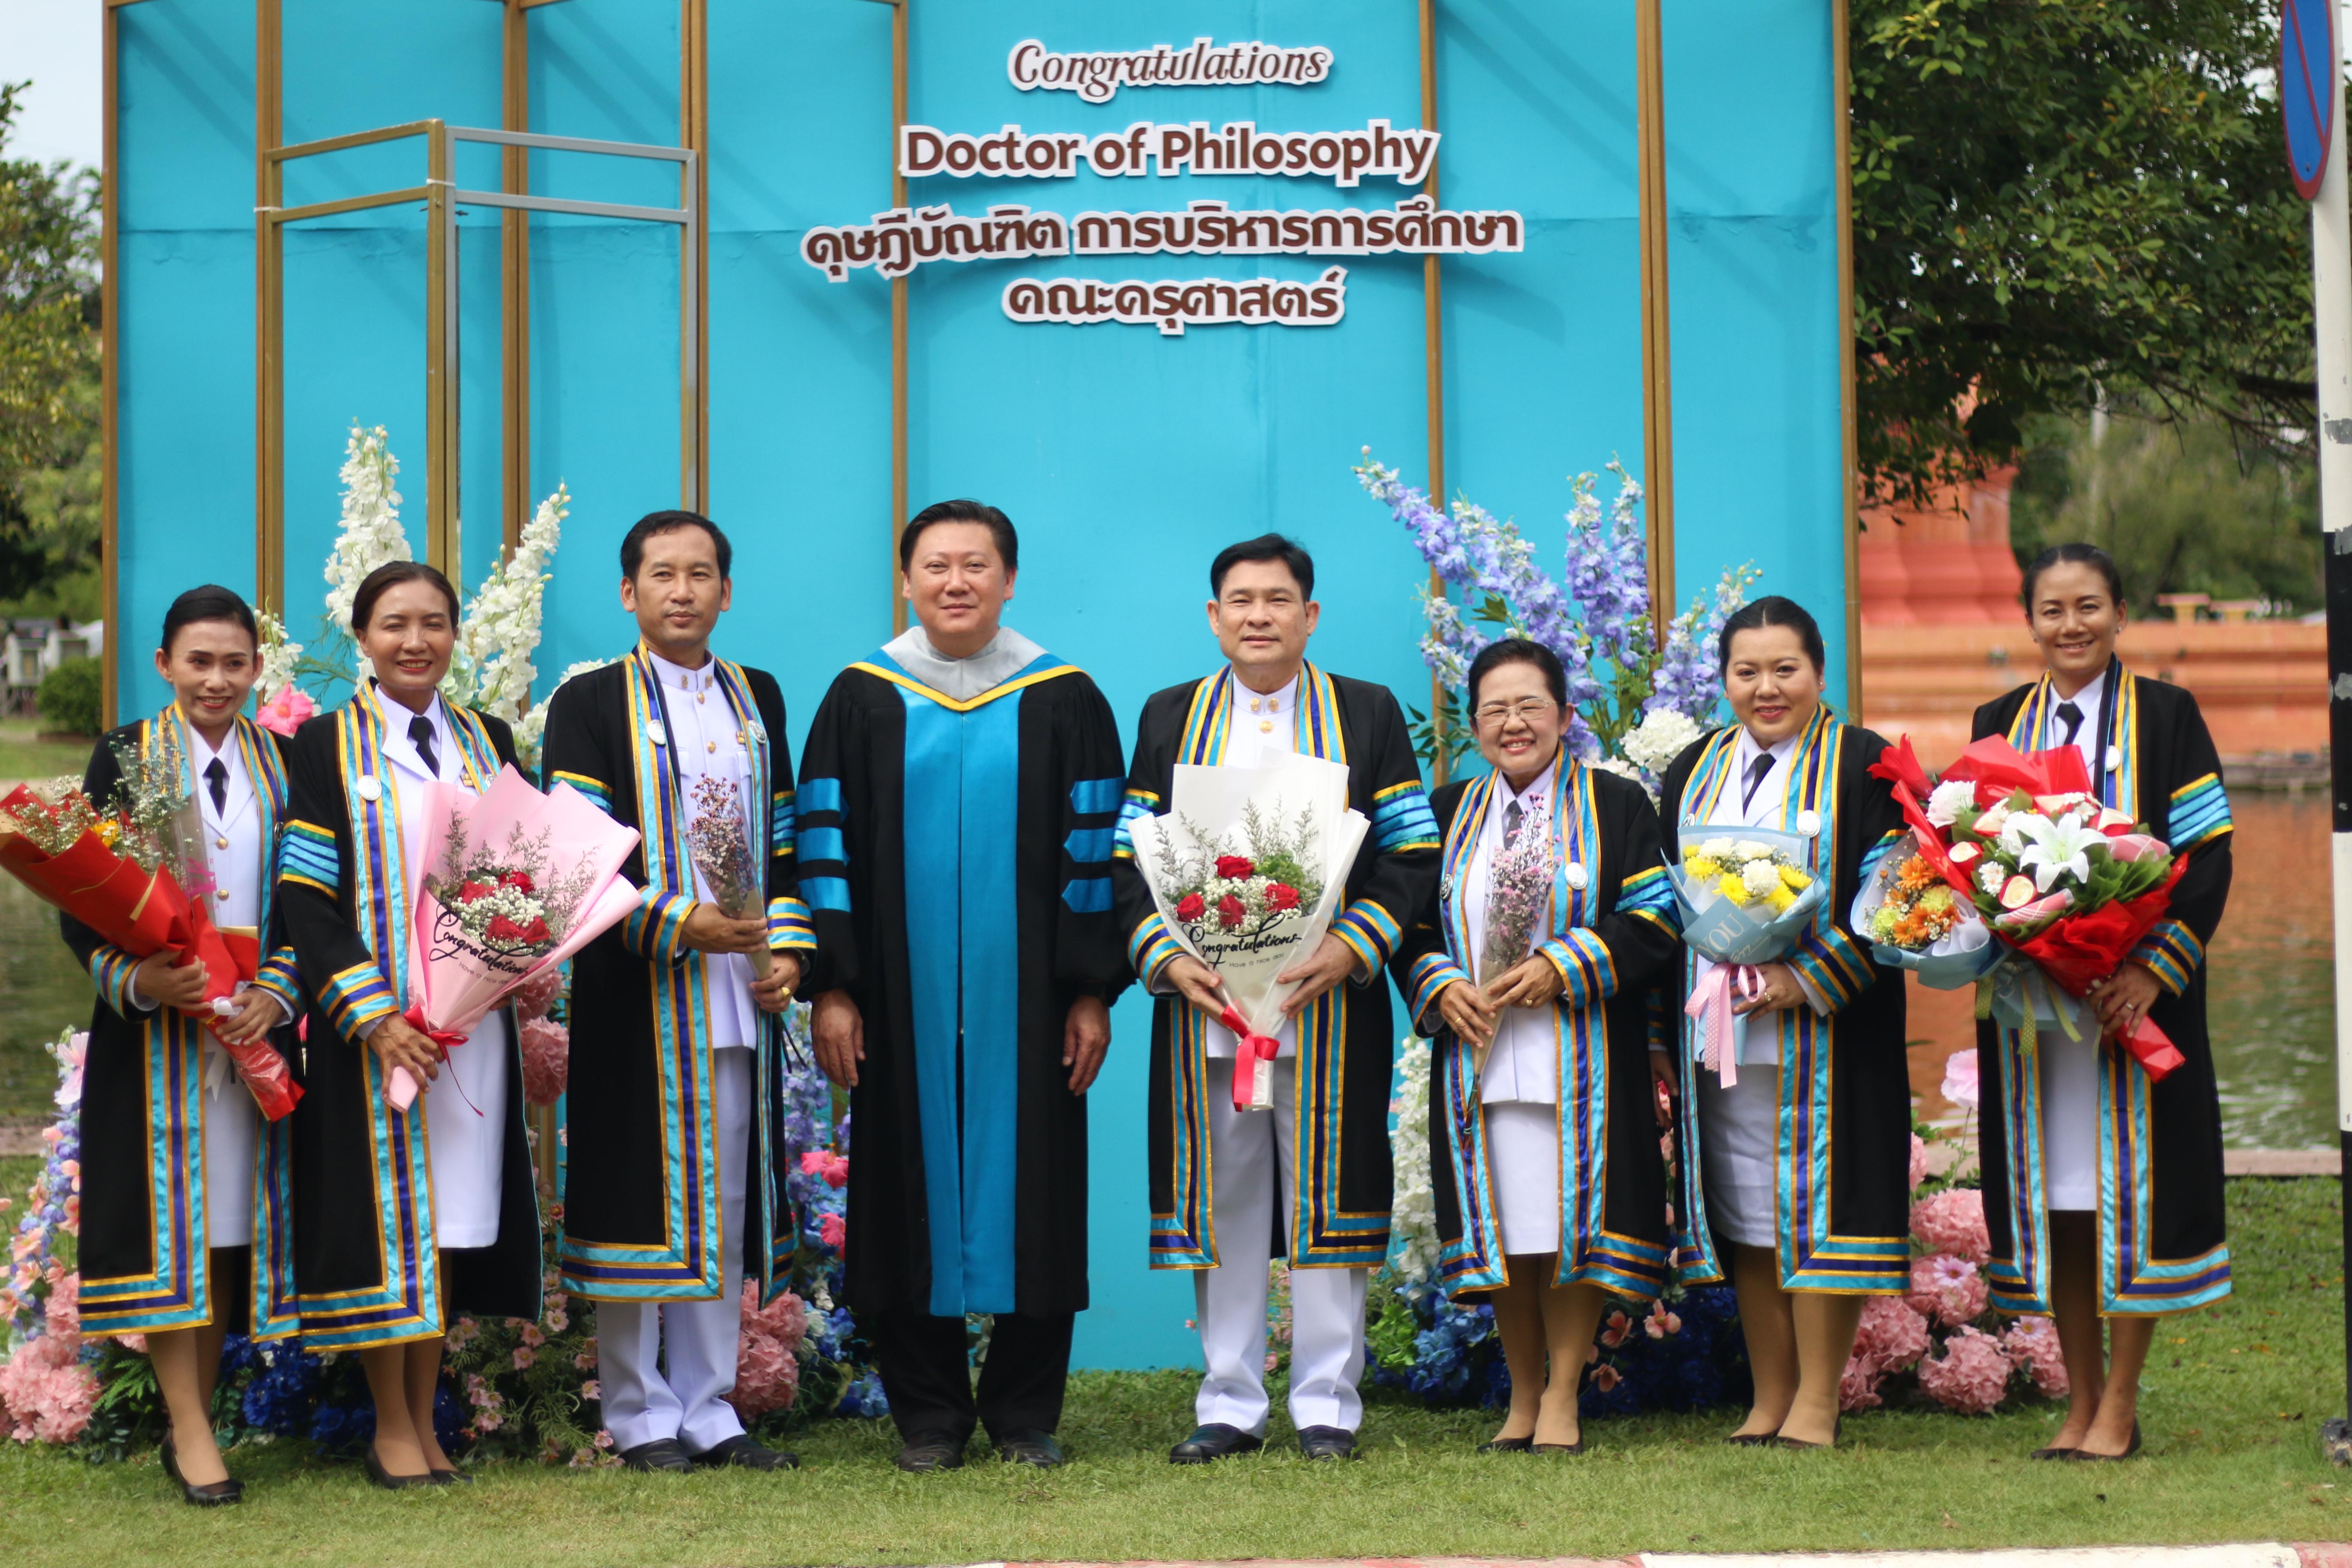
point(2331, 297)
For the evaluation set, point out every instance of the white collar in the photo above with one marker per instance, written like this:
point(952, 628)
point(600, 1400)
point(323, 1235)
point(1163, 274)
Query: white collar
point(672, 673)
point(1538, 788)
point(1779, 752)
point(201, 751)
point(1008, 653)
point(1282, 701)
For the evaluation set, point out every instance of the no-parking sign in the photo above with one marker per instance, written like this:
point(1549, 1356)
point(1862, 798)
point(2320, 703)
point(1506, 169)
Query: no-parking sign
point(2309, 88)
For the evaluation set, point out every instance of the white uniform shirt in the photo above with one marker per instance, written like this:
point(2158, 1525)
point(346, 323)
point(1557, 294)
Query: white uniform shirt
point(1258, 728)
point(466, 1107)
point(1522, 1064)
point(706, 744)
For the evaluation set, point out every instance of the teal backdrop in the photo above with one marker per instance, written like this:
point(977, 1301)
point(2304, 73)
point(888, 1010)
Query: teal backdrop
point(1126, 457)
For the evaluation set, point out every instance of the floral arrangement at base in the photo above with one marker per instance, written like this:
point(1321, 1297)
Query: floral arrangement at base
point(1637, 700)
point(48, 1388)
point(1940, 1343)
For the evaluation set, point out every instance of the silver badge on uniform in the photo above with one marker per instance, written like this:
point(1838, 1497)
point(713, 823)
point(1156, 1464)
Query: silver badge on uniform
point(656, 733)
point(368, 788)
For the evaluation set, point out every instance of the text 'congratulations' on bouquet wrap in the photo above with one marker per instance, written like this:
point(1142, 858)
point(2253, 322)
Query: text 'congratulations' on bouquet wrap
point(1747, 895)
point(134, 872)
point(2067, 886)
point(1247, 868)
point(507, 883)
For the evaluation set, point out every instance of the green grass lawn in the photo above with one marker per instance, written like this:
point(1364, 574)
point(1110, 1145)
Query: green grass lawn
point(21, 756)
point(2232, 1409)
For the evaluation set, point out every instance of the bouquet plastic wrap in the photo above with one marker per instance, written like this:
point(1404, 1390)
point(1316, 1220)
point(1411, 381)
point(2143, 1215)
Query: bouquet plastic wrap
point(1746, 898)
point(134, 872)
point(2067, 886)
point(1247, 868)
point(507, 884)
point(1914, 920)
point(720, 844)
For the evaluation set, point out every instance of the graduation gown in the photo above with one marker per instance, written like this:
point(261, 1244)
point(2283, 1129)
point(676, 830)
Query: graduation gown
point(2162, 1242)
point(1843, 1179)
point(1613, 939)
point(641, 1202)
point(145, 1261)
point(1347, 1043)
point(954, 854)
point(366, 1266)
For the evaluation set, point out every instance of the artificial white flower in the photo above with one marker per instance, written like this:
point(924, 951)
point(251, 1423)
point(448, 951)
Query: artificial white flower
point(1716, 848)
point(279, 657)
point(1664, 734)
point(1412, 1219)
point(1948, 800)
point(1625, 770)
point(2057, 848)
point(1760, 877)
point(371, 533)
point(529, 729)
point(490, 668)
point(1990, 876)
point(2016, 830)
point(1749, 850)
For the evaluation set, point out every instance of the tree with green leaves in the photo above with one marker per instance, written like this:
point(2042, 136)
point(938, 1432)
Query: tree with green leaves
point(2056, 197)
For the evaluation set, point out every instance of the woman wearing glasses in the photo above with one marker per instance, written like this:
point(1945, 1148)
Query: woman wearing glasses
point(1530, 970)
point(1796, 1163)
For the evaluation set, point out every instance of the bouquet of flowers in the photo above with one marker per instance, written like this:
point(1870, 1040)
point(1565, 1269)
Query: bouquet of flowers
point(508, 884)
point(2068, 886)
point(1247, 870)
point(720, 847)
point(1745, 898)
point(1913, 921)
point(135, 873)
point(1518, 898)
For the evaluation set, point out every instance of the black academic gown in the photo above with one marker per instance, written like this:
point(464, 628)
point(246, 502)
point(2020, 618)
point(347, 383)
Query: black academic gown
point(145, 1263)
point(641, 1219)
point(954, 855)
point(1612, 936)
point(366, 1266)
point(1845, 1091)
point(2161, 1242)
point(1346, 1039)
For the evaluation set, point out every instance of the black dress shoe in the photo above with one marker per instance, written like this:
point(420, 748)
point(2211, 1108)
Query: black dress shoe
point(2052, 1453)
point(2085, 1457)
point(1569, 1449)
point(1752, 1439)
point(662, 1454)
point(212, 1494)
point(386, 1478)
point(1213, 1442)
point(1030, 1448)
point(1326, 1443)
point(1800, 1444)
point(923, 1454)
point(450, 1477)
point(1507, 1446)
point(741, 1450)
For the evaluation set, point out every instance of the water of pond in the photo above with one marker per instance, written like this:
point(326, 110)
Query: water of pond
point(2272, 1011)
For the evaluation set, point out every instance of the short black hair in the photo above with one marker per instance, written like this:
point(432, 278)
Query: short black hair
point(1772, 610)
point(390, 575)
point(1265, 547)
point(1000, 529)
point(2075, 554)
point(210, 603)
point(1517, 650)
point(633, 544)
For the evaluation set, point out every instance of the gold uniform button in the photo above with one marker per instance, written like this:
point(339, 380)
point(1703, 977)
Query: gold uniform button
point(702, 697)
point(220, 843)
point(1265, 726)
point(221, 893)
point(711, 746)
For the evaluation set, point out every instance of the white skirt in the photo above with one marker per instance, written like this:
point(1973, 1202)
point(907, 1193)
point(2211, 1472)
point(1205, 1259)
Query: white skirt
point(467, 1152)
point(1523, 1159)
point(231, 1129)
point(1739, 1137)
point(2070, 1121)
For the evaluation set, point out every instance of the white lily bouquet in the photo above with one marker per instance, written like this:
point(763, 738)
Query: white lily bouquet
point(1247, 868)
point(1745, 898)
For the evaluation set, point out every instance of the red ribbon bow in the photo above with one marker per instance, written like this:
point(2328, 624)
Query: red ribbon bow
point(1254, 1049)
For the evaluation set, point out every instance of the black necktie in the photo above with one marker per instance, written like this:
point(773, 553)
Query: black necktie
point(1512, 815)
point(1756, 772)
point(420, 730)
point(217, 775)
point(2074, 717)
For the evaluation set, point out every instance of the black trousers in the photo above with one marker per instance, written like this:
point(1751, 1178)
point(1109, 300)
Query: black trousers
point(927, 1372)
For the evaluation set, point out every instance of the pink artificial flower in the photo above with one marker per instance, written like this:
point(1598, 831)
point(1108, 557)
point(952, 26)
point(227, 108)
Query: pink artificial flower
point(538, 994)
point(524, 1355)
point(833, 1232)
point(2031, 1346)
point(1919, 1160)
point(603, 1439)
point(556, 1319)
point(586, 1359)
point(284, 712)
point(1660, 1322)
point(1961, 1084)
point(1949, 1289)
point(1858, 1385)
point(1953, 1222)
point(546, 1060)
point(592, 1389)
point(1612, 1332)
point(1604, 1377)
point(1971, 1376)
point(1891, 1336)
point(135, 1343)
point(532, 1337)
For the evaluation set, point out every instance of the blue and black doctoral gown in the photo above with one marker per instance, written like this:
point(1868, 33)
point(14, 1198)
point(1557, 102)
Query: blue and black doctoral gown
point(955, 857)
point(2162, 1247)
point(1346, 1038)
point(641, 1209)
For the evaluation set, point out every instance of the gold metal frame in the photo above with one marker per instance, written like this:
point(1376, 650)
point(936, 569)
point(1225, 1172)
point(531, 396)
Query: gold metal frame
point(1433, 338)
point(1841, 142)
point(110, 385)
point(1657, 336)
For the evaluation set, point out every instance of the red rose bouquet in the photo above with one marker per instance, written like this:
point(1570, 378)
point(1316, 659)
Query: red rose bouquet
point(2067, 885)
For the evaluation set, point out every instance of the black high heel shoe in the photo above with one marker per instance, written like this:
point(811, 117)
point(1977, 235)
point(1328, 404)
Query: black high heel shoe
point(387, 1479)
point(1506, 1445)
point(2085, 1457)
point(212, 1494)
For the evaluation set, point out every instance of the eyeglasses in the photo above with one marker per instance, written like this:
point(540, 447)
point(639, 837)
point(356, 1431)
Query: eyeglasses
point(1526, 710)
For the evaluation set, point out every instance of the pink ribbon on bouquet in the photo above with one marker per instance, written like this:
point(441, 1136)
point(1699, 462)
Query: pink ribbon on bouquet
point(1711, 1004)
point(1254, 1048)
point(402, 1089)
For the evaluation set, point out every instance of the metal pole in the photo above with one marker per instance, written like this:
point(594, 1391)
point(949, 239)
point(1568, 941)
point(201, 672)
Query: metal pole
point(2331, 310)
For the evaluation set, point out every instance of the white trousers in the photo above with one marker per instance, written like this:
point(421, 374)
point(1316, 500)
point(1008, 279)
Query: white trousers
point(1255, 1154)
point(650, 1395)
